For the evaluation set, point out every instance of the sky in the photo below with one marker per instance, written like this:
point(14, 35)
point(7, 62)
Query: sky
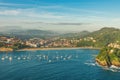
point(59, 15)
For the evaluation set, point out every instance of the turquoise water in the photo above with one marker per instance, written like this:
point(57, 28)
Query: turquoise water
point(77, 64)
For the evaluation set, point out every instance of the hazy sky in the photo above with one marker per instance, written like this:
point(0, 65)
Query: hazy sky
point(60, 15)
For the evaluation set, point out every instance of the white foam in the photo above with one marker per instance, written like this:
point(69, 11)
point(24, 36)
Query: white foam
point(111, 68)
point(115, 67)
point(91, 64)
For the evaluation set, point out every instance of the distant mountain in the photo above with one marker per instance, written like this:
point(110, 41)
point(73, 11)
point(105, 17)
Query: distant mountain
point(97, 38)
point(75, 35)
point(103, 36)
point(26, 34)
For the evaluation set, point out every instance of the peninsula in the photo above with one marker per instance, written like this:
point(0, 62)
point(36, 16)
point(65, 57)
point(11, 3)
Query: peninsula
point(109, 55)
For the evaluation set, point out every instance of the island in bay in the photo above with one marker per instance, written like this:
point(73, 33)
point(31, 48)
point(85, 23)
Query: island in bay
point(109, 56)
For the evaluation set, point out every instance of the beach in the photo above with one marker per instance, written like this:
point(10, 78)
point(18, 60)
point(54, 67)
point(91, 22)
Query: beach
point(32, 49)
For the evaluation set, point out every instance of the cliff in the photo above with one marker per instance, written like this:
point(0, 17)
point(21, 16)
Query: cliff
point(109, 56)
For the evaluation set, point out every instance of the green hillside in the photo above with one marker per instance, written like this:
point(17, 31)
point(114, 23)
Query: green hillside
point(106, 35)
point(103, 37)
point(75, 35)
point(109, 56)
point(109, 39)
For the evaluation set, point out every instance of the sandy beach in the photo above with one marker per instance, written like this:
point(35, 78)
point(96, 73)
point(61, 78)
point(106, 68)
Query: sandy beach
point(31, 49)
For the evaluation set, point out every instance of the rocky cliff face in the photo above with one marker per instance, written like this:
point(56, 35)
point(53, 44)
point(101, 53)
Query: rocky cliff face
point(109, 56)
point(102, 63)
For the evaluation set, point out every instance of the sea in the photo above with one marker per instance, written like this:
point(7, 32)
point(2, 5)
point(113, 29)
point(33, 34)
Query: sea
point(67, 64)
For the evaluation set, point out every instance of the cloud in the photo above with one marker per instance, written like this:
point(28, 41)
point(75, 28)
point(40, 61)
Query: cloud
point(8, 28)
point(48, 12)
point(69, 23)
point(9, 12)
point(47, 15)
point(57, 23)
point(26, 22)
point(84, 10)
point(31, 13)
point(50, 15)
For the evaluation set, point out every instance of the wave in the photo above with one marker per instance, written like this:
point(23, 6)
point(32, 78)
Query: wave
point(114, 68)
point(90, 64)
point(111, 68)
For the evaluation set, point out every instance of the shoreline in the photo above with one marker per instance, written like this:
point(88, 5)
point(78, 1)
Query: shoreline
point(3, 49)
point(106, 67)
point(64, 48)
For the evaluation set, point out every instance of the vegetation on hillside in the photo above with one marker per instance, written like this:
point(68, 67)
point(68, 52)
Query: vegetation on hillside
point(109, 56)
point(103, 37)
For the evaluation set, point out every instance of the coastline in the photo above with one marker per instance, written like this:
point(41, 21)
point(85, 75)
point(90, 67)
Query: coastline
point(62, 48)
point(3, 49)
point(106, 67)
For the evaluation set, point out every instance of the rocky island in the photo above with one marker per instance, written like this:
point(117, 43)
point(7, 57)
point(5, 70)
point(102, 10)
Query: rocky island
point(109, 55)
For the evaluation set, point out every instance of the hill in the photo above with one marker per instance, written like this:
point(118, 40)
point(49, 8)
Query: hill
point(75, 35)
point(109, 56)
point(103, 37)
point(107, 35)
point(26, 34)
point(109, 39)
